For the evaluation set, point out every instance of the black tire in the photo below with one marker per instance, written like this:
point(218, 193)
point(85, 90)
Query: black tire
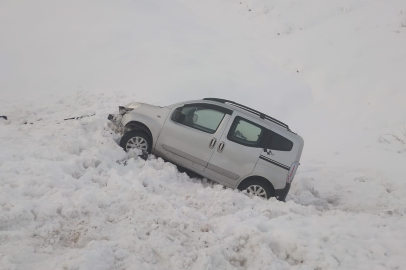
point(253, 183)
point(133, 134)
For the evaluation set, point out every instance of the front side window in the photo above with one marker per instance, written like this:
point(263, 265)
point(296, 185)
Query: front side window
point(199, 117)
point(246, 132)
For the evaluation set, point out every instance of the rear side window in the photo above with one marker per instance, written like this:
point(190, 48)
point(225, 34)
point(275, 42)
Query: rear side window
point(279, 143)
point(245, 132)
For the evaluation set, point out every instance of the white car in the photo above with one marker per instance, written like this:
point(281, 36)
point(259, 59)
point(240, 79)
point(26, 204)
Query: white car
point(219, 139)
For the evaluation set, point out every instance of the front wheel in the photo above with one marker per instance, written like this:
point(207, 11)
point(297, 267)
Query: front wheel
point(135, 139)
point(257, 187)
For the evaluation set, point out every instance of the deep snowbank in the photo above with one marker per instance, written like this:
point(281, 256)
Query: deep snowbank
point(72, 199)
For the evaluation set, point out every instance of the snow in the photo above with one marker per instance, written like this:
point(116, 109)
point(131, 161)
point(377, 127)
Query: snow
point(70, 198)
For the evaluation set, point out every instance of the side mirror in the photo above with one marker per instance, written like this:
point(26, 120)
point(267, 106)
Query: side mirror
point(195, 117)
point(176, 116)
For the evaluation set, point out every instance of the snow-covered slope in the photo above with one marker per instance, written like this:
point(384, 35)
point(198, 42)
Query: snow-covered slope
point(70, 198)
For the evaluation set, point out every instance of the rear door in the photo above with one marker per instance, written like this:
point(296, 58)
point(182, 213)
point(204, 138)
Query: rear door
point(238, 150)
point(191, 134)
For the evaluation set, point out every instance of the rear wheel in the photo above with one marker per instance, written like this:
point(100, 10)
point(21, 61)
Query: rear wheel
point(258, 187)
point(135, 139)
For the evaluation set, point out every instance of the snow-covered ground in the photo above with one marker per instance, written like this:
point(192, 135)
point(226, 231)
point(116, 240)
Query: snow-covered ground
point(70, 198)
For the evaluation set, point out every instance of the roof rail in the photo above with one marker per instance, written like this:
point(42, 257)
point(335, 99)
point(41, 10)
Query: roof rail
point(248, 109)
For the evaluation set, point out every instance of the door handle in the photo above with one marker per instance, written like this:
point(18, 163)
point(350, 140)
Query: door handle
point(221, 147)
point(212, 143)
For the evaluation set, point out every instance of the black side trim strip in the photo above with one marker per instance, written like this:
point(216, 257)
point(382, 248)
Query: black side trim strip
point(184, 155)
point(275, 163)
point(222, 171)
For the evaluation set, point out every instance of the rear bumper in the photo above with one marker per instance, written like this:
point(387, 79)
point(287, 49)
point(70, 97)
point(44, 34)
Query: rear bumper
point(281, 194)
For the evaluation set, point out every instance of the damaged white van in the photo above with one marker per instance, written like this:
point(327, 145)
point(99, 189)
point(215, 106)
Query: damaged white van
point(219, 139)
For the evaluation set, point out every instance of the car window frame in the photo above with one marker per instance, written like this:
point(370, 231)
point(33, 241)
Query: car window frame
point(205, 106)
point(259, 143)
point(270, 136)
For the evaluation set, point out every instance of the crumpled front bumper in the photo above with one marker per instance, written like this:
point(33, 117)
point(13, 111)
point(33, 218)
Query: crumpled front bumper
point(115, 123)
point(115, 119)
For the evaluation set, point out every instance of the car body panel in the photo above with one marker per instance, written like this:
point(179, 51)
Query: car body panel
point(275, 174)
point(236, 161)
point(189, 147)
point(153, 117)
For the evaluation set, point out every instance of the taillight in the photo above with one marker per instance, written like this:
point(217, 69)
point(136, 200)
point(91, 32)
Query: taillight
point(292, 172)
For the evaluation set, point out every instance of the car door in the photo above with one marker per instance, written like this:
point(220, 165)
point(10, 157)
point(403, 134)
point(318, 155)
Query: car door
point(191, 133)
point(238, 150)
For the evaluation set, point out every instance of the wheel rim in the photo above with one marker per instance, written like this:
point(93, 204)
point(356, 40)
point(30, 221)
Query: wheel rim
point(137, 143)
point(257, 191)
